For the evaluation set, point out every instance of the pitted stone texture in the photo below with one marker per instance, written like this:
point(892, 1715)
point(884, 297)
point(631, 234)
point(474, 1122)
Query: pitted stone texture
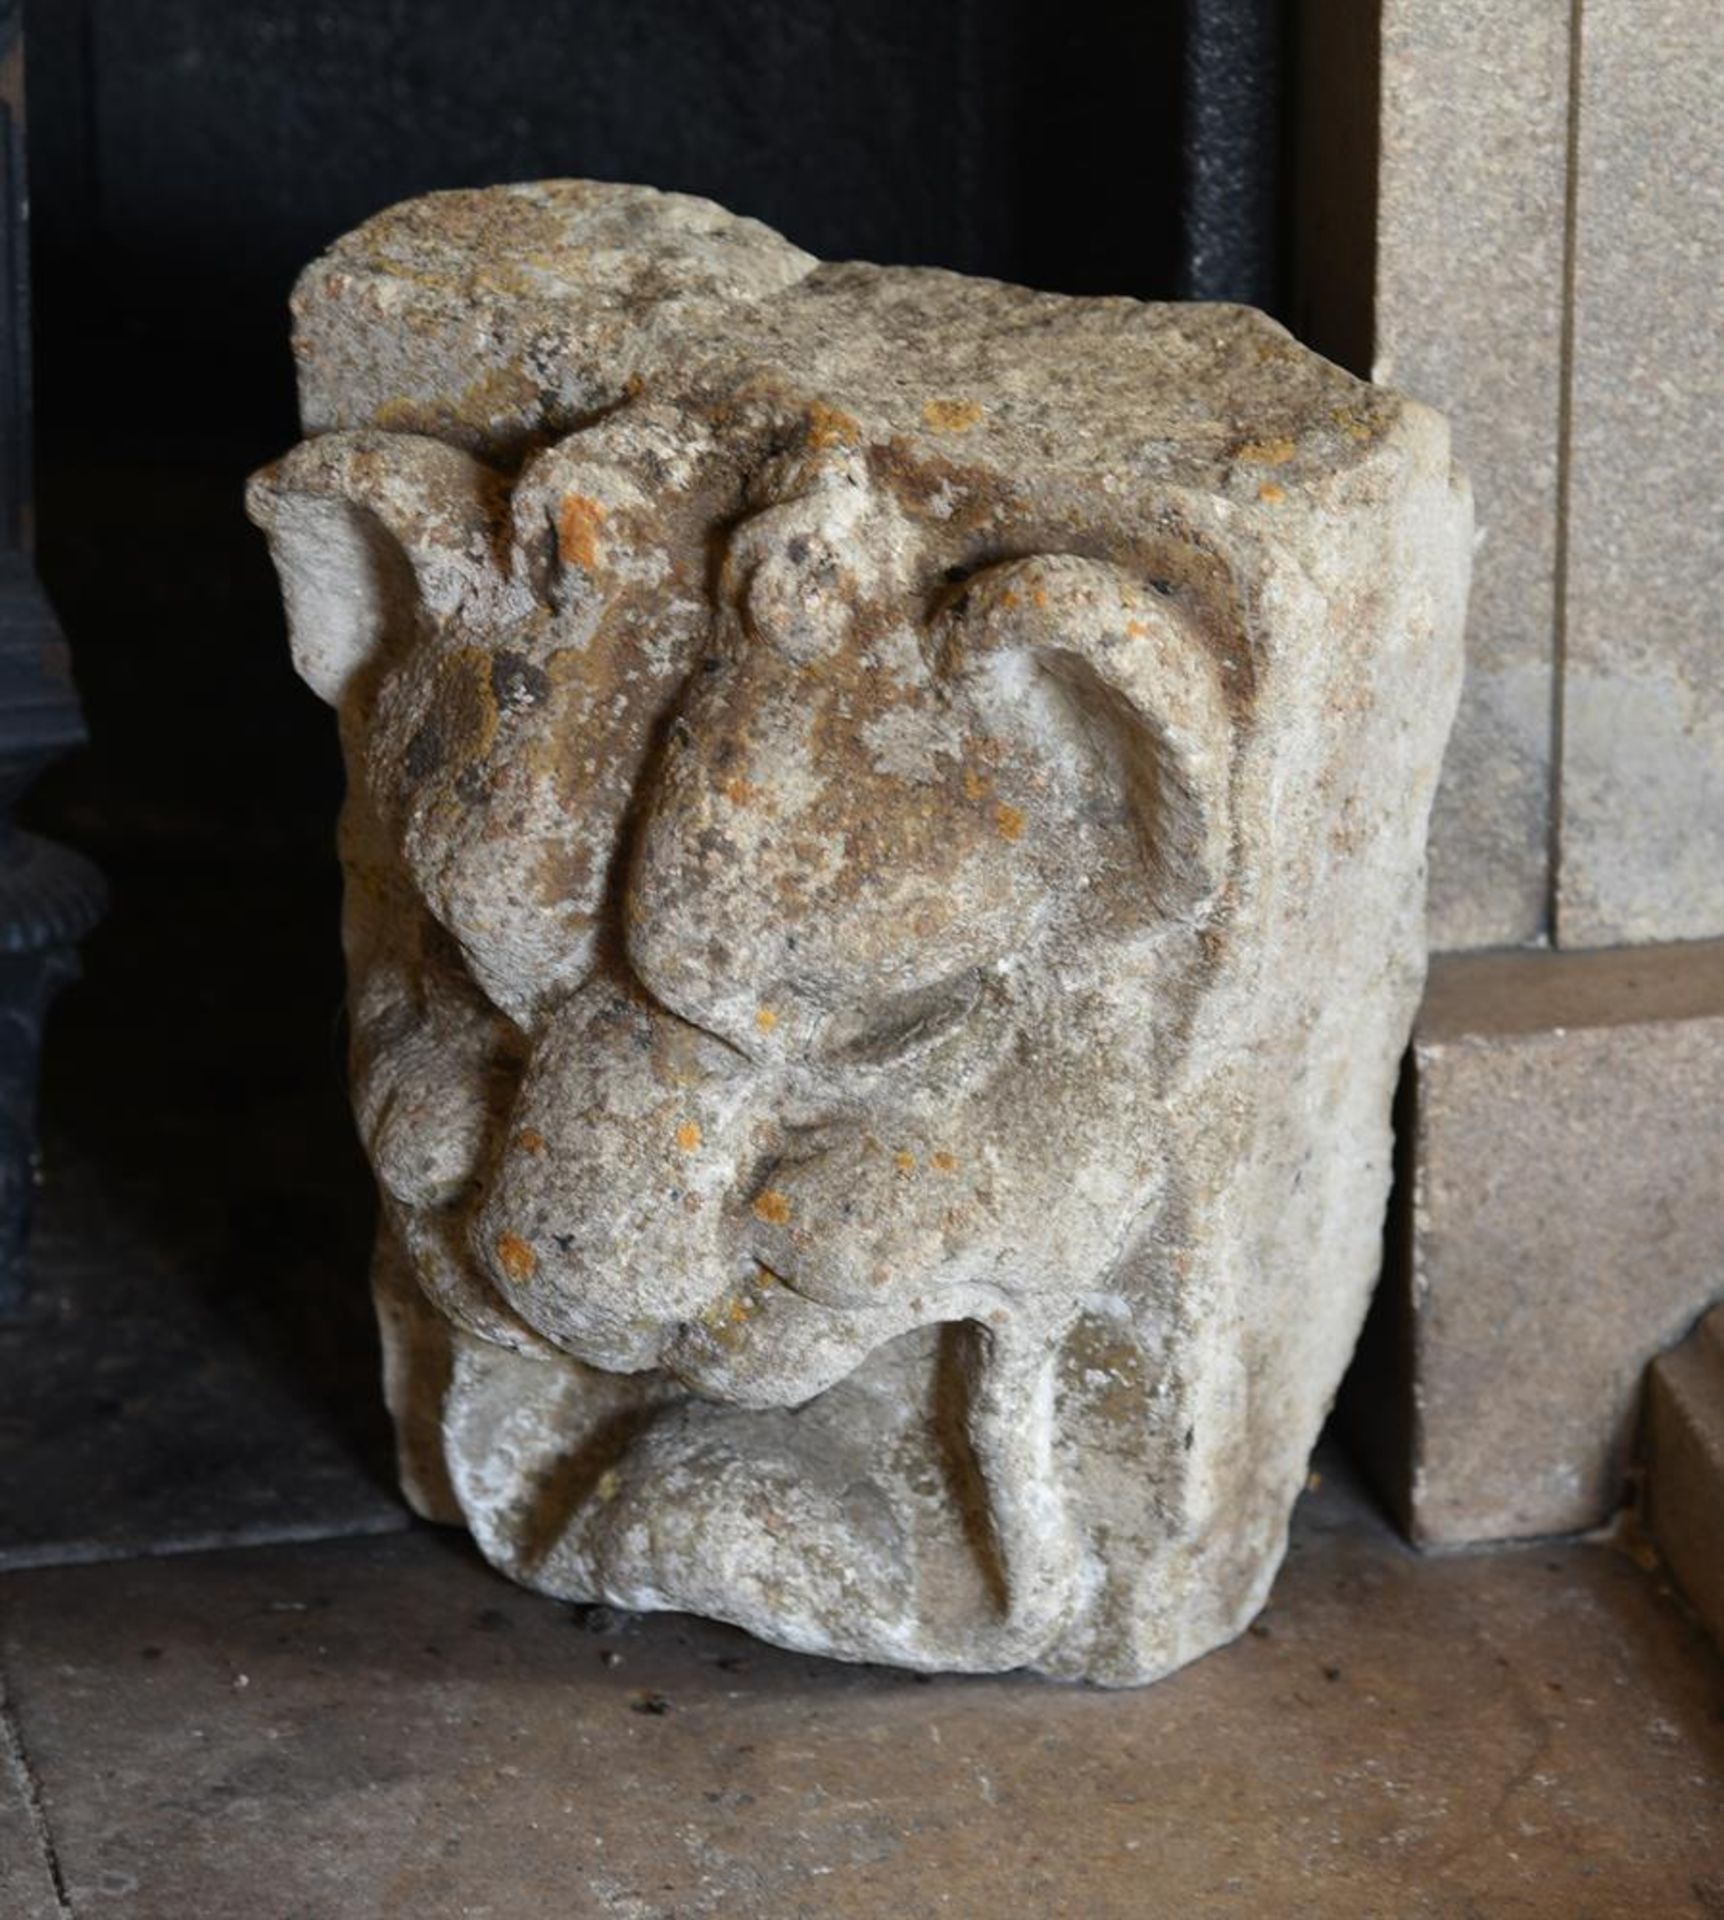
point(885, 859)
point(1642, 830)
point(1567, 1221)
point(1471, 224)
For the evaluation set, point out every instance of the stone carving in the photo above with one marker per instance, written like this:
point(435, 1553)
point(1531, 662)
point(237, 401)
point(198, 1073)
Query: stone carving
point(884, 853)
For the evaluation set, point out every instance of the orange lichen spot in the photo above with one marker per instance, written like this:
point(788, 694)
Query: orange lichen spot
point(951, 416)
point(772, 1207)
point(1038, 596)
point(1137, 629)
point(578, 522)
point(904, 1162)
point(464, 718)
point(944, 1162)
point(515, 1257)
point(766, 1019)
point(1011, 598)
point(827, 427)
point(740, 792)
point(1271, 494)
point(739, 1310)
point(1008, 821)
point(1268, 453)
point(764, 1276)
point(975, 784)
point(1355, 425)
point(400, 413)
point(688, 1136)
point(530, 1140)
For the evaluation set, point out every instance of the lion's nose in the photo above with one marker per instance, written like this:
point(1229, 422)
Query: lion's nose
point(604, 1225)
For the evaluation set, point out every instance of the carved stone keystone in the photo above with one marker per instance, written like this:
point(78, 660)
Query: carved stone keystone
point(885, 860)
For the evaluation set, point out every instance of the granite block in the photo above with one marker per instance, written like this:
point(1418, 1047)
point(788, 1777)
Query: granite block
point(1642, 825)
point(1469, 314)
point(1565, 1224)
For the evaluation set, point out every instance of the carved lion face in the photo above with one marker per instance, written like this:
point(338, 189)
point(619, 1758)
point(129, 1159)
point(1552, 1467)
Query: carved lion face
point(770, 900)
point(883, 906)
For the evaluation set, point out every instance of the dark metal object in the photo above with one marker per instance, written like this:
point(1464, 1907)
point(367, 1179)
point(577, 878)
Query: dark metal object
point(1232, 162)
point(49, 896)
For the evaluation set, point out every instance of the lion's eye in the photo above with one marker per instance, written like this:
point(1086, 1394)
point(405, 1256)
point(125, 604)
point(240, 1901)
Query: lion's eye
point(902, 1027)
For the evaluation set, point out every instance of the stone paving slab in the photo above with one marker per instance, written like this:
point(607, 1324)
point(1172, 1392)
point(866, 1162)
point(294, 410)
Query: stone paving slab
point(146, 1410)
point(382, 1727)
point(28, 1888)
point(197, 1364)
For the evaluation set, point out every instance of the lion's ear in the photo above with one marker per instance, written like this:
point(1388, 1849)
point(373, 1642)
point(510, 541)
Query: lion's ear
point(1135, 668)
point(369, 530)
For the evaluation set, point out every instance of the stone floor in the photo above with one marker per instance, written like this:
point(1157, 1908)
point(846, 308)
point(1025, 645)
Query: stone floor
point(153, 1401)
point(196, 1364)
point(379, 1726)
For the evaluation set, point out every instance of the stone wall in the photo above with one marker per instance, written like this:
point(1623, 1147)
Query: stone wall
point(1543, 189)
point(1550, 245)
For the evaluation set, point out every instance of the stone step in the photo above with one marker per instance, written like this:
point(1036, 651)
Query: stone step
point(1560, 1221)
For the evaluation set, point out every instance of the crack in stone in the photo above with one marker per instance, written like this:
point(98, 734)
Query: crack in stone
point(16, 1763)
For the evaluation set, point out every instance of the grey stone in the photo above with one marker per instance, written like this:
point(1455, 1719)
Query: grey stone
point(884, 856)
point(1471, 207)
point(1549, 235)
point(1684, 1462)
point(370, 1728)
point(151, 1408)
point(29, 1889)
point(1642, 831)
point(1567, 1211)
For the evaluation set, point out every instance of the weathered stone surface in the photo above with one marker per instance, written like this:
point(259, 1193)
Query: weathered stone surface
point(1642, 831)
point(1567, 1215)
point(884, 854)
point(27, 1864)
point(1549, 236)
point(1471, 212)
point(1684, 1461)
